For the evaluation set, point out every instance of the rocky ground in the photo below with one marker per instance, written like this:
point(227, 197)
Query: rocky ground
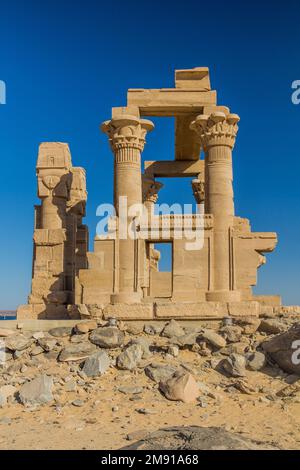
point(109, 384)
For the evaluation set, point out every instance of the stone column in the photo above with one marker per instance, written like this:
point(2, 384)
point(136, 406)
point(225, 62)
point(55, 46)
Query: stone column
point(127, 138)
point(217, 134)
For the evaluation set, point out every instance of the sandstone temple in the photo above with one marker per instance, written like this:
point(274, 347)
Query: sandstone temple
point(121, 277)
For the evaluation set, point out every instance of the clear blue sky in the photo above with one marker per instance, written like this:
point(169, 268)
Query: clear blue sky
point(66, 63)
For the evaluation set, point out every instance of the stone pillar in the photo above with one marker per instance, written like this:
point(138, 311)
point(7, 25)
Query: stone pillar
point(127, 138)
point(217, 134)
point(77, 233)
point(49, 292)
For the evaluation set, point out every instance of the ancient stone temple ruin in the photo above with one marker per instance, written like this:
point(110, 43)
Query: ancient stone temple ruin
point(121, 277)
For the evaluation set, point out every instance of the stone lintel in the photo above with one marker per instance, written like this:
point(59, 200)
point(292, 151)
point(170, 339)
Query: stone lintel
point(173, 169)
point(170, 101)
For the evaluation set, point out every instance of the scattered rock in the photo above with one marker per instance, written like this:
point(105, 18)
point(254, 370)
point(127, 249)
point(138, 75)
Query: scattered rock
point(61, 331)
point(243, 387)
point(153, 329)
point(289, 391)
point(78, 403)
point(272, 326)
point(284, 349)
point(188, 339)
point(38, 391)
point(80, 338)
point(255, 360)
point(145, 411)
point(130, 390)
point(232, 333)
point(144, 343)
point(158, 372)
point(234, 365)
point(173, 350)
point(180, 387)
point(107, 337)
point(214, 338)
point(171, 329)
point(197, 438)
point(140, 434)
point(129, 359)
point(18, 342)
point(47, 344)
point(97, 364)
point(76, 352)
point(134, 328)
point(38, 335)
point(85, 327)
point(249, 324)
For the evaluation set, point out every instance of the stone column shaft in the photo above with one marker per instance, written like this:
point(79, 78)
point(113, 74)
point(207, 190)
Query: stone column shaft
point(217, 134)
point(127, 138)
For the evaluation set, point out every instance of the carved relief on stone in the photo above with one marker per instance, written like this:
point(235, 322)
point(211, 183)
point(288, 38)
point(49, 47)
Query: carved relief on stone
point(198, 187)
point(78, 193)
point(53, 185)
point(150, 189)
point(216, 129)
point(54, 155)
point(126, 132)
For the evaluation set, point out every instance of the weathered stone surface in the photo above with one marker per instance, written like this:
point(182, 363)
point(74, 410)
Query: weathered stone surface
point(172, 329)
point(235, 365)
point(18, 342)
point(173, 350)
point(188, 339)
point(6, 391)
point(153, 329)
point(5, 332)
point(76, 352)
point(47, 344)
point(97, 364)
point(232, 333)
point(180, 387)
point(213, 338)
point(37, 392)
point(61, 331)
point(197, 438)
point(85, 327)
point(107, 337)
point(272, 326)
point(145, 345)
point(130, 358)
point(284, 349)
point(158, 372)
point(255, 360)
point(249, 324)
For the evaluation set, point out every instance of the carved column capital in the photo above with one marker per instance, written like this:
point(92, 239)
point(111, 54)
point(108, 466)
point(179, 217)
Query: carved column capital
point(150, 189)
point(127, 132)
point(198, 187)
point(216, 129)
